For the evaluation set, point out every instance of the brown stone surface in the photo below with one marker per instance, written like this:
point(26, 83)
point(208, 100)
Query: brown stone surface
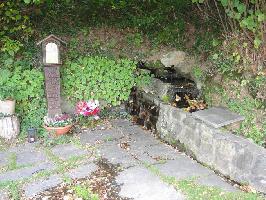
point(52, 88)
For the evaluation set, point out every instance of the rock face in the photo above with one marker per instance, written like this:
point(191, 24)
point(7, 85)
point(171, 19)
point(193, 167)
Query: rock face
point(231, 155)
point(181, 62)
point(173, 58)
point(158, 88)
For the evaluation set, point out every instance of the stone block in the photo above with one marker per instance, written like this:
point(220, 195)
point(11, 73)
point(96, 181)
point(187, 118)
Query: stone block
point(215, 181)
point(162, 152)
point(151, 98)
point(23, 148)
point(148, 187)
point(121, 123)
point(100, 136)
point(82, 171)
point(116, 155)
point(30, 157)
point(190, 121)
point(27, 172)
point(192, 137)
point(217, 117)
point(183, 168)
point(35, 188)
point(173, 58)
point(130, 130)
point(66, 151)
point(260, 167)
point(3, 159)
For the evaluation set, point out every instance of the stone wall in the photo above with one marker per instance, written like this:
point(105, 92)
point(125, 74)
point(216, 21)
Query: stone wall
point(231, 155)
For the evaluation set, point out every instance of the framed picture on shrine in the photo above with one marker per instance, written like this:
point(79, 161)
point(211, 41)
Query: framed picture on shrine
point(51, 50)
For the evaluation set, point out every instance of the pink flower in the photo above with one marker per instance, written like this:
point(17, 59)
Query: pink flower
point(89, 108)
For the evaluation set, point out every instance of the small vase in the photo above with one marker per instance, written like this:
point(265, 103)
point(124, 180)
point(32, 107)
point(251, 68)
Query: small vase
point(58, 130)
point(7, 107)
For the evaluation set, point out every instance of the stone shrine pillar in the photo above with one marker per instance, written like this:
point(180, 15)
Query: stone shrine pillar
point(52, 89)
point(51, 47)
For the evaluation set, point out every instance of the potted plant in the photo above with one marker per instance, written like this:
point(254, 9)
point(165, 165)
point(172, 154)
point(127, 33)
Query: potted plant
point(59, 125)
point(7, 91)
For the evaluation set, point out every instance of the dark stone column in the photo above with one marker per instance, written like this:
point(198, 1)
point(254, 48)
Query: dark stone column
point(52, 88)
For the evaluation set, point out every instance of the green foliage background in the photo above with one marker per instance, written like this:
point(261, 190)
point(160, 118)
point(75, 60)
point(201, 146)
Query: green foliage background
point(100, 78)
point(229, 34)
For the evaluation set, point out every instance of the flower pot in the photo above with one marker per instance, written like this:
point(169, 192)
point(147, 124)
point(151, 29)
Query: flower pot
point(7, 107)
point(59, 130)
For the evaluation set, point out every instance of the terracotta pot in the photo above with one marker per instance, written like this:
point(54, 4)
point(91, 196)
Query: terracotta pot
point(7, 107)
point(59, 130)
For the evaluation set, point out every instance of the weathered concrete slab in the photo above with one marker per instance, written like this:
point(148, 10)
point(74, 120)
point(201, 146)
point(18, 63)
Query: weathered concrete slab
point(30, 157)
point(140, 184)
point(162, 152)
point(130, 130)
point(138, 145)
point(116, 155)
point(183, 168)
point(82, 171)
point(215, 181)
point(33, 189)
point(3, 159)
point(121, 123)
point(23, 147)
point(66, 151)
point(143, 139)
point(25, 172)
point(100, 136)
point(217, 117)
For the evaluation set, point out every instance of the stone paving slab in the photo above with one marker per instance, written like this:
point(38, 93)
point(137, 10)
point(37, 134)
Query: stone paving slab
point(217, 117)
point(66, 151)
point(121, 123)
point(116, 155)
point(30, 157)
point(3, 159)
point(183, 168)
point(216, 181)
point(142, 140)
point(25, 172)
point(100, 136)
point(130, 130)
point(82, 171)
point(23, 147)
point(162, 151)
point(34, 188)
point(140, 184)
point(129, 146)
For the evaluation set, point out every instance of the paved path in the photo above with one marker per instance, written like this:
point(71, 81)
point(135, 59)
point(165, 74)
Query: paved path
point(144, 162)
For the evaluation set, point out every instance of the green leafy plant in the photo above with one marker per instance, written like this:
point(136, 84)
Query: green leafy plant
point(27, 86)
point(135, 39)
point(249, 16)
point(7, 88)
point(166, 99)
point(85, 193)
point(100, 78)
point(198, 73)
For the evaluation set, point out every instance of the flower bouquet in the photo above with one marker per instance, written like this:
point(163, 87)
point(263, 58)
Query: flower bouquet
point(60, 124)
point(88, 108)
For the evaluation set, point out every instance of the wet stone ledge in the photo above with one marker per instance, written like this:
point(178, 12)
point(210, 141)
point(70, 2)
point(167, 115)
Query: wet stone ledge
point(231, 155)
